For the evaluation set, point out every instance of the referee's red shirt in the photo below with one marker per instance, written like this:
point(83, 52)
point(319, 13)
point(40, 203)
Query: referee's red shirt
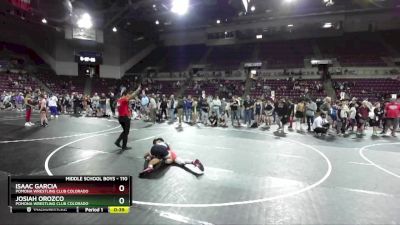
point(123, 108)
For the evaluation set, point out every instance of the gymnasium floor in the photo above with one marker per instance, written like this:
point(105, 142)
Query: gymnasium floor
point(252, 176)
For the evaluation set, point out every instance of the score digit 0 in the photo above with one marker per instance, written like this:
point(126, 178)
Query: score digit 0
point(121, 201)
point(121, 188)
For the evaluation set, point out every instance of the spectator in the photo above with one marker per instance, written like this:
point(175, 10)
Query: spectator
point(144, 101)
point(311, 108)
point(376, 119)
point(204, 109)
point(268, 112)
point(392, 116)
point(216, 105)
point(29, 104)
point(188, 108)
point(179, 109)
point(195, 109)
point(258, 107)
point(19, 101)
point(164, 106)
point(213, 119)
point(222, 120)
point(95, 102)
point(152, 108)
point(352, 116)
point(77, 101)
point(248, 105)
point(53, 106)
point(320, 125)
point(172, 106)
point(282, 113)
point(102, 104)
point(113, 103)
point(235, 110)
point(362, 117)
point(299, 114)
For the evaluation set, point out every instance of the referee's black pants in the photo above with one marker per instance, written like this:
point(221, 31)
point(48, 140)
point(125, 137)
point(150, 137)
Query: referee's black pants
point(126, 125)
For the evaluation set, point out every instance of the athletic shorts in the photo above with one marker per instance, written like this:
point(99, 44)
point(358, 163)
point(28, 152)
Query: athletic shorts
point(299, 114)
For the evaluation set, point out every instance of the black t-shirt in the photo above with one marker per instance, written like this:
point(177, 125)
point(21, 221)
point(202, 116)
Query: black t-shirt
point(103, 100)
point(268, 107)
point(112, 100)
point(164, 104)
point(180, 104)
point(235, 105)
point(213, 118)
point(282, 109)
point(204, 105)
point(159, 151)
point(248, 103)
point(77, 100)
point(290, 108)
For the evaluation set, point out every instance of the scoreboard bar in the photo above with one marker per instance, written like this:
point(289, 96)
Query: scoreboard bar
point(67, 194)
point(110, 209)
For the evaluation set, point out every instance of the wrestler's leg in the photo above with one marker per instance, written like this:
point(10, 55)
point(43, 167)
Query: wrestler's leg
point(195, 162)
point(182, 162)
point(169, 161)
point(154, 161)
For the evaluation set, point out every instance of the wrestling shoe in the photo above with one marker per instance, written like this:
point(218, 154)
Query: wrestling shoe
point(198, 164)
point(126, 148)
point(27, 124)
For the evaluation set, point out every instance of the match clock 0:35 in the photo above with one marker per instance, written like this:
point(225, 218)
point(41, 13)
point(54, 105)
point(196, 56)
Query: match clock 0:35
point(118, 209)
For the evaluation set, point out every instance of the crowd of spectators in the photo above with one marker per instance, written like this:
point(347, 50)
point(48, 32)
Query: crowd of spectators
point(318, 114)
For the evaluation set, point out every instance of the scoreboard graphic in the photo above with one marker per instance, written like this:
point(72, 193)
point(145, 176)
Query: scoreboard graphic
point(69, 194)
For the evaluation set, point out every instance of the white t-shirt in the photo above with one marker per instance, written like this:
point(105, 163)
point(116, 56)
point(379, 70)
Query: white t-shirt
point(53, 101)
point(318, 122)
point(353, 113)
point(216, 103)
point(96, 100)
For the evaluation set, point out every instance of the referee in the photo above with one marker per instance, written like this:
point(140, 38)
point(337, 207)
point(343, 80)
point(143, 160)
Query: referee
point(124, 117)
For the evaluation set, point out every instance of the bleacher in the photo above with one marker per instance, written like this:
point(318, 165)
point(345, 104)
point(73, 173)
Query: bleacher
point(103, 85)
point(223, 88)
point(229, 57)
point(285, 88)
point(178, 58)
point(24, 81)
point(373, 89)
point(354, 49)
point(285, 54)
point(63, 84)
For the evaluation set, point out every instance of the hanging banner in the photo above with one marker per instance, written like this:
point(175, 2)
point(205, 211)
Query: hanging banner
point(22, 4)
